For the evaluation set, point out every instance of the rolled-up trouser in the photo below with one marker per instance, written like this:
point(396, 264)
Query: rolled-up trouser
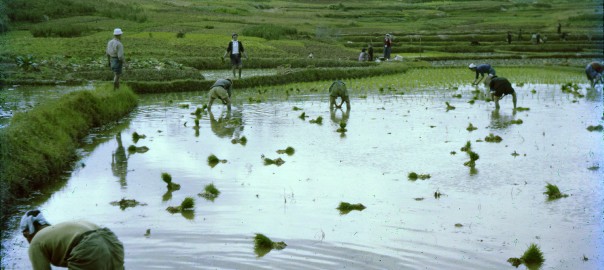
point(99, 249)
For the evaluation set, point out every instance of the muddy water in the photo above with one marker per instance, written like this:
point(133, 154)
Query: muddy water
point(501, 206)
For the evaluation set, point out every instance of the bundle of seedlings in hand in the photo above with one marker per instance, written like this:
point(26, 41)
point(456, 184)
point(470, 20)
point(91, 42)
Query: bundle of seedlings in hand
point(414, 176)
point(187, 205)
point(342, 128)
point(289, 151)
point(263, 245)
point(553, 192)
point(493, 138)
point(168, 179)
point(345, 207)
point(213, 160)
point(318, 121)
point(210, 192)
point(136, 137)
point(471, 127)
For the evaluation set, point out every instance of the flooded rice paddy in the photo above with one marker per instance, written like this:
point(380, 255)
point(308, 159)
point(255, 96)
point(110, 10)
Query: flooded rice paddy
point(479, 219)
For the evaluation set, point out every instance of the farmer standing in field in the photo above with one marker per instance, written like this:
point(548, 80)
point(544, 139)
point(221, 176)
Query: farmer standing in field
point(73, 244)
point(235, 50)
point(481, 70)
point(499, 88)
point(387, 46)
point(221, 89)
point(594, 73)
point(338, 89)
point(115, 55)
point(370, 52)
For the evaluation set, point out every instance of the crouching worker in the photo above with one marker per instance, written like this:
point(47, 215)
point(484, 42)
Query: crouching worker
point(480, 71)
point(73, 244)
point(221, 89)
point(499, 88)
point(338, 89)
point(594, 73)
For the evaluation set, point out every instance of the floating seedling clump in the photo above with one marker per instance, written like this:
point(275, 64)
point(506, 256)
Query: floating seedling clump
point(532, 258)
point(277, 161)
point(137, 149)
point(449, 106)
point(210, 192)
point(296, 108)
point(318, 121)
point(136, 137)
point(471, 127)
point(457, 95)
point(289, 151)
point(553, 192)
point(595, 128)
point(125, 203)
point(166, 177)
point(303, 116)
point(187, 205)
point(263, 245)
point(516, 122)
point(242, 140)
point(342, 128)
point(414, 176)
point(493, 138)
point(345, 207)
point(473, 157)
point(466, 147)
point(521, 109)
point(214, 160)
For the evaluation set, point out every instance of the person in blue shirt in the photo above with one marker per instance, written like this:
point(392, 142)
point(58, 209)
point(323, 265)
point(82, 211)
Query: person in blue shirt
point(481, 70)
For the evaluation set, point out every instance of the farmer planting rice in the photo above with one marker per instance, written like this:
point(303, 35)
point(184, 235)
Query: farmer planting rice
point(338, 89)
point(594, 73)
point(74, 244)
point(499, 88)
point(221, 89)
point(481, 70)
point(235, 50)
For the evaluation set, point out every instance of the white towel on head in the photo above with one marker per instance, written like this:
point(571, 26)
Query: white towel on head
point(27, 221)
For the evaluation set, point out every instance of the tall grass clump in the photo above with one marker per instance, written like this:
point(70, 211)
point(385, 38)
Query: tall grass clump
point(40, 144)
point(269, 31)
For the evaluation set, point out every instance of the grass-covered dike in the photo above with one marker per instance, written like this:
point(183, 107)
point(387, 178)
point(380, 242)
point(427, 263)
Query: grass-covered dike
point(40, 144)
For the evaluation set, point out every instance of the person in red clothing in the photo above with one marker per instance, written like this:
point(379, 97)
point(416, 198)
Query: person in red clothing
point(594, 73)
point(387, 46)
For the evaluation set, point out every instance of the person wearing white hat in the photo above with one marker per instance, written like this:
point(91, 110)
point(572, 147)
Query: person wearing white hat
point(481, 70)
point(73, 244)
point(115, 55)
point(235, 50)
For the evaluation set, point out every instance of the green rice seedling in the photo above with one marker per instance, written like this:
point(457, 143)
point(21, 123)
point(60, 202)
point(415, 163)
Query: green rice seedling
point(210, 192)
point(521, 109)
point(515, 154)
point(595, 128)
point(553, 192)
point(125, 203)
point(414, 176)
point(453, 153)
point(243, 140)
point(342, 127)
point(136, 136)
point(437, 194)
point(214, 160)
point(516, 122)
point(134, 149)
point(533, 256)
point(345, 207)
point(533, 91)
point(594, 167)
point(303, 116)
point(515, 261)
point(317, 121)
point(187, 204)
point(277, 161)
point(263, 245)
point(289, 151)
point(166, 177)
point(466, 147)
point(449, 106)
point(472, 101)
point(471, 128)
point(473, 157)
point(493, 138)
point(296, 108)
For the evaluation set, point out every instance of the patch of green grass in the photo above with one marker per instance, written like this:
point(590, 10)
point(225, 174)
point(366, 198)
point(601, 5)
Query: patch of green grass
point(493, 138)
point(289, 151)
point(345, 207)
point(553, 192)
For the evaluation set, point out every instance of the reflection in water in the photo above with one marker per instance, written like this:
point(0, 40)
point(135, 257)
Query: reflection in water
point(343, 118)
point(228, 124)
point(501, 121)
point(167, 196)
point(119, 161)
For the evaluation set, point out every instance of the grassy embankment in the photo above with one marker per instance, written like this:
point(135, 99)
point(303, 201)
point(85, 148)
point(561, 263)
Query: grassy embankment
point(40, 144)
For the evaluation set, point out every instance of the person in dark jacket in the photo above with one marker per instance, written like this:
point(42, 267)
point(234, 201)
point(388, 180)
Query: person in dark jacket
point(594, 73)
point(76, 245)
point(235, 50)
point(499, 88)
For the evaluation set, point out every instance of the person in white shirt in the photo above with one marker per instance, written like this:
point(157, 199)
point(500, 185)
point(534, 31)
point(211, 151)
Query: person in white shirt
point(115, 55)
point(235, 50)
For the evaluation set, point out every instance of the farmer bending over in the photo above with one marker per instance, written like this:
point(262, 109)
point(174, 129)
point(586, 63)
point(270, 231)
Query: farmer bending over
point(74, 244)
point(481, 70)
point(594, 73)
point(499, 88)
point(221, 89)
point(338, 89)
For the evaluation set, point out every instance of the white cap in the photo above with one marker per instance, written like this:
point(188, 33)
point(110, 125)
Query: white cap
point(472, 65)
point(28, 219)
point(117, 31)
